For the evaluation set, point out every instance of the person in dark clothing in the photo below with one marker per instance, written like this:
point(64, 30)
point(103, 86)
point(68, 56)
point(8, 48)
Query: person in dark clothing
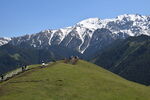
point(25, 67)
point(2, 76)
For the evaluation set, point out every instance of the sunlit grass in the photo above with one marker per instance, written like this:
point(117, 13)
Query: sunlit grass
point(60, 81)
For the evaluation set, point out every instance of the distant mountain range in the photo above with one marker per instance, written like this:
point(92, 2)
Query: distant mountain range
point(130, 58)
point(90, 34)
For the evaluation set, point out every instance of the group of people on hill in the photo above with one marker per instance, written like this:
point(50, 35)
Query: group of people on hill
point(73, 60)
point(4, 76)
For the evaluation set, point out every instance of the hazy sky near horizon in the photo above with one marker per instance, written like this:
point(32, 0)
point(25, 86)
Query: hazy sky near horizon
point(20, 17)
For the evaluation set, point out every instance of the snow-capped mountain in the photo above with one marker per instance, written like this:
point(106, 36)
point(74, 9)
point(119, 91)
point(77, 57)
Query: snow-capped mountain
point(4, 40)
point(91, 34)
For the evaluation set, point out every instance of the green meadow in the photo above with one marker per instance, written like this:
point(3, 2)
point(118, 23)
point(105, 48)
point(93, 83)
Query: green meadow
point(61, 81)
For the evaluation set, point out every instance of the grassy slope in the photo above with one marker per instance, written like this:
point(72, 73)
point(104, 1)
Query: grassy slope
point(84, 81)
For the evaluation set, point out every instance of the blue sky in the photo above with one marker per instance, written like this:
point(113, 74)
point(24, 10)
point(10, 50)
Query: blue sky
point(19, 17)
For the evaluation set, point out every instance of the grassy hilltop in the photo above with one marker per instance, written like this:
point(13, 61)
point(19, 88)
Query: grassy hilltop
point(60, 81)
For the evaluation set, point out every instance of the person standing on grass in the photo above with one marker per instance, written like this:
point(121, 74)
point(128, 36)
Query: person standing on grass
point(2, 76)
point(43, 64)
point(25, 67)
point(22, 68)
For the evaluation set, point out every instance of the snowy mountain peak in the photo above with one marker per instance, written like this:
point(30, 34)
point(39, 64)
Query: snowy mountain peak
point(7, 38)
point(4, 40)
point(91, 23)
point(133, 17)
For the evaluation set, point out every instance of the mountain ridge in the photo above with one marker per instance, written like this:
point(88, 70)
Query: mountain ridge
point(79, 36)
